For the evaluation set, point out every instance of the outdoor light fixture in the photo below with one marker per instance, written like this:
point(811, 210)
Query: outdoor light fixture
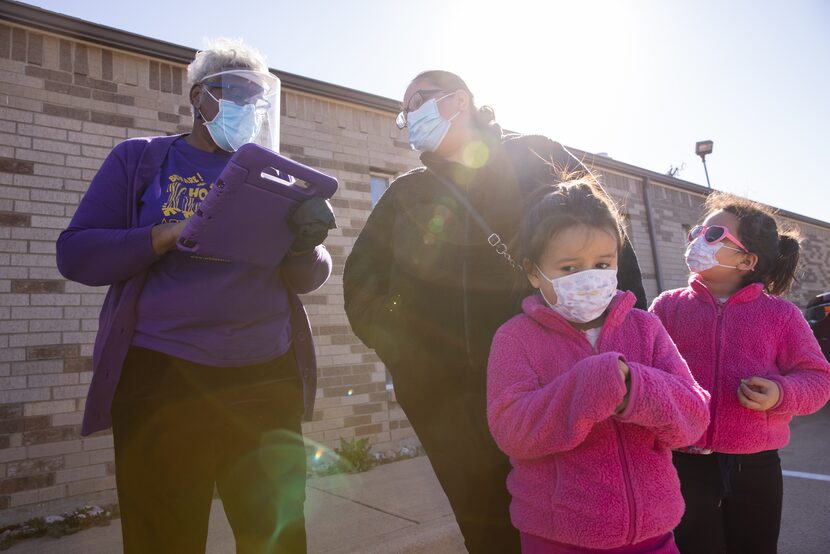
point(702, 148)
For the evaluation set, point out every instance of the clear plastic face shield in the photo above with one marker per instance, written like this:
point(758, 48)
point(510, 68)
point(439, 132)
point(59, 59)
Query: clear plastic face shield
point(247, 108)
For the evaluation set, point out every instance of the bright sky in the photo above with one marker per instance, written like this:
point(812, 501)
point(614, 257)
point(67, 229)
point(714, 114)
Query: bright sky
point(641, 80)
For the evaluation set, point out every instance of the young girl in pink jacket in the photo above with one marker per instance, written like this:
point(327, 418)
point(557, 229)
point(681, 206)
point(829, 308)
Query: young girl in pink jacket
point(755, 353)
point(586, 394)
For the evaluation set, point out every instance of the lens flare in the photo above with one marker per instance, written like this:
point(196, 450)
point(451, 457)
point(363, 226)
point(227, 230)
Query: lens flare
point(476, 154)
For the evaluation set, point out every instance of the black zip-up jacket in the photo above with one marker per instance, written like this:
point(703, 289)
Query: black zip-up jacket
point(424, 288)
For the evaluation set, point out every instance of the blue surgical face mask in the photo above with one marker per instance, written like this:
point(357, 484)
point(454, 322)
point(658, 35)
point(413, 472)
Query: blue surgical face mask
point(234, 125)
point(427, 128)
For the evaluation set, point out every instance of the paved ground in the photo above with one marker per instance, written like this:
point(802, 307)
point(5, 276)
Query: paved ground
point(805, 525)
point(399, 508)
point(393, 508)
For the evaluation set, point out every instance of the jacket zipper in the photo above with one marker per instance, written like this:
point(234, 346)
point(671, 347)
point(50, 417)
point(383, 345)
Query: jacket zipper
point(629, 490)
point(714, 388)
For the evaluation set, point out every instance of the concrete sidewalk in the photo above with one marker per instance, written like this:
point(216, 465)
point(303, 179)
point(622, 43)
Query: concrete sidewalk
point(400, 508)
point(394, 508)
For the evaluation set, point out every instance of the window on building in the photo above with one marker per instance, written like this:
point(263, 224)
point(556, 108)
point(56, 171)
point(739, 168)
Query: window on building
point(379, 184)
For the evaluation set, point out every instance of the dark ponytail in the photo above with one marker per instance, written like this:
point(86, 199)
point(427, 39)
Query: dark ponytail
point(777, 248)
point(783, 273)
point(484, 117)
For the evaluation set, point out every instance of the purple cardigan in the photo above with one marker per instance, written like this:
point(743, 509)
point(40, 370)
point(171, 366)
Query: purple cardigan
point(120, 255)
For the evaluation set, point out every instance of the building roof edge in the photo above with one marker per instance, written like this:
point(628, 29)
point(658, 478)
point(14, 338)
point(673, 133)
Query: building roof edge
point(73, 27)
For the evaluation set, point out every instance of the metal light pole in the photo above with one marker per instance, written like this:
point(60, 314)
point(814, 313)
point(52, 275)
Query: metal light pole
point(702, 148)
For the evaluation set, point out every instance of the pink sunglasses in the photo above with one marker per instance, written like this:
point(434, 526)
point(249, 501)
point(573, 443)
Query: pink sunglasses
point(714, 234)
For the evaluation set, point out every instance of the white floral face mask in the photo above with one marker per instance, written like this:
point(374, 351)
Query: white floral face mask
point(701, 255)
point(582, 297)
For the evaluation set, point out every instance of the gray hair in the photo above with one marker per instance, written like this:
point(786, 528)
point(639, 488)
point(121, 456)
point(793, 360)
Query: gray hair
point(224, 53)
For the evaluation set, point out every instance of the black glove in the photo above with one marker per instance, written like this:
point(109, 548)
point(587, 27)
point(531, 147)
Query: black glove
point(311, 222)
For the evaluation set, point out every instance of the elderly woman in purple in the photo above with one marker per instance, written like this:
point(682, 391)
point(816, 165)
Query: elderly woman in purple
point(203, 368)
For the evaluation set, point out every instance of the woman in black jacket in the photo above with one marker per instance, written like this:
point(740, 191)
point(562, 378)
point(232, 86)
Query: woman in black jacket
point(426, 290)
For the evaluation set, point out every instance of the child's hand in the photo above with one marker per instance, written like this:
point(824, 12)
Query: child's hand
point(757, 393)
point(625, 373)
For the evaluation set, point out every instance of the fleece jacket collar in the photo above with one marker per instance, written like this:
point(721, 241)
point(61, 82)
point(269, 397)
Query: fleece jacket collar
point(744, 295)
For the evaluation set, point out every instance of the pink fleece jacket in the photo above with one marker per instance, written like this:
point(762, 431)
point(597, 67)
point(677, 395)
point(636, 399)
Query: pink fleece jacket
point(582, 475)
point(752, 333)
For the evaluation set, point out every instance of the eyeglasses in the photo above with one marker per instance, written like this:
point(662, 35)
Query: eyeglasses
point(714, 234)
point(415, 101)
point(240, 94)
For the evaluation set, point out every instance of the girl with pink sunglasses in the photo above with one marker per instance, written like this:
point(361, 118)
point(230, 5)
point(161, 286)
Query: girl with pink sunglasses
point(754, 352)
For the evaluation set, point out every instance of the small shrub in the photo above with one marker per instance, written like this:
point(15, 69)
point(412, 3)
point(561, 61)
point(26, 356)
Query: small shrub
point(354, 455)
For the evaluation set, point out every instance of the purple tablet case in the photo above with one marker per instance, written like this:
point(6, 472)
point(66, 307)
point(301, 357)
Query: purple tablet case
point(244, 217)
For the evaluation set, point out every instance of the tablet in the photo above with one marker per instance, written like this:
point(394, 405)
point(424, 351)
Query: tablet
point(244, 217)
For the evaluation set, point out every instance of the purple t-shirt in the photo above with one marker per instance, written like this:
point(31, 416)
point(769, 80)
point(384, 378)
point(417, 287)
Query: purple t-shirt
point(205, 311)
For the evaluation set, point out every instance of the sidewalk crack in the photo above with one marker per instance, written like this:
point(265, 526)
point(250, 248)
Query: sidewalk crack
point(399, 516)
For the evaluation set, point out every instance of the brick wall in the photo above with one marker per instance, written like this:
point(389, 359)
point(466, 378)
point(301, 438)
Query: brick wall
point(63, 105)
point(350, 144)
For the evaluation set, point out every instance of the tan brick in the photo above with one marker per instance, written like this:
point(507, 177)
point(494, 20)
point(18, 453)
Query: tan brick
point(76, 460)
point(17, 141)
point(80, 473)
point(36, 340)
point(50, 222)
point(35, 313)
point(39, 156)
point(14, 299)
point(36, 367)
point(42, 248)
point(102, 456)
point(42, 132)
point(57, 122)
point(48, 408)
point(98, 442)
point(54, 448)
point(55, 299)
point(9, 114)
point(24, 395)
point(37, 495)
point(69, 418)
point(53, 380)
point(40, 325)
point(75, 391)
point(79, 488)
point(30, 260)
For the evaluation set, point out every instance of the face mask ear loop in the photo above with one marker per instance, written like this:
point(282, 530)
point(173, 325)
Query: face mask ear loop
point(219, 113)
point(199, 109)
point(545, 277)
point(201, 115)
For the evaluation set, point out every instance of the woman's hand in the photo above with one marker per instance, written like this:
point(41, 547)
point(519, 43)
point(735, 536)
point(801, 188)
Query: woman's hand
point(625, 373)
point(165, 235)
point(757, 393)
point(311, 222)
